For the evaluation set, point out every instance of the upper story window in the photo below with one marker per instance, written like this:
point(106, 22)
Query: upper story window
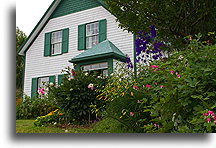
point(56, 42)
point(92, 32)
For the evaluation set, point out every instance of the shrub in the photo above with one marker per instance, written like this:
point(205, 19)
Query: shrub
point(27, 108)
point(169, 95)
point(76, 95)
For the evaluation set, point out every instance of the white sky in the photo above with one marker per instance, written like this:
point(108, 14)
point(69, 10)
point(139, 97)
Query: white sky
point(29, 12)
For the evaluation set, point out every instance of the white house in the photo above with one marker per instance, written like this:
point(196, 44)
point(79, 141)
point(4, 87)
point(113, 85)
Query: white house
point(81, 32)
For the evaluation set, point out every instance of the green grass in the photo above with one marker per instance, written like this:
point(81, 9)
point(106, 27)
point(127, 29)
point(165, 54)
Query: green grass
point(107, 125)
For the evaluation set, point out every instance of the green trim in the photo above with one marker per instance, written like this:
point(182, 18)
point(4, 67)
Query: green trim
point(135, 67)
point(60, 78)
point(102, 30)
point(82, 37)
point(52, 79)
point(109, 61)
point(34, 84)
point(65, 40)
point(47, 44)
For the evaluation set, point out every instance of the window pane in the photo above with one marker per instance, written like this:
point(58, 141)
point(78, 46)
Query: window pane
point(56, 48)
point(103, 65)
point(95, 66)
point(43, 81)
point(56, 37)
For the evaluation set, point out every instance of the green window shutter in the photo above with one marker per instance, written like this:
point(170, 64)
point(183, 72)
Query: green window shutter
point(65, 37)
point(34, 87)
point(81, 37)
point(47, 44)
point(102, 30)
point(52, 79)
point(60, 79)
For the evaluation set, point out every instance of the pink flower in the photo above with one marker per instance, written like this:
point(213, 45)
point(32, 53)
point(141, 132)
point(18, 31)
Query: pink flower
point(210, 112)
point(172, 72)
point(214, 118)
point(179, 76)
point(190, 38)
point(41, 91)
point(131, 113)
point(161, 86)
point(148, 86)
point(135, 87)
point(91, 86)
point(154, 66)
point(155, 125)
point(156, 70)
point(208, 120)
point(205, 114)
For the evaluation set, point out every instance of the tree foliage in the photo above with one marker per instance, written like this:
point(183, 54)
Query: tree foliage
point(174, 19)
point(20, 38)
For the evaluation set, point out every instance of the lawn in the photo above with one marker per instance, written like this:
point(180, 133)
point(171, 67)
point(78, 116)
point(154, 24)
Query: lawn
point(107, 125)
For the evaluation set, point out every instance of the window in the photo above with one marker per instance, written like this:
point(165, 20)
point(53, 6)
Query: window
point(100, 68)
point(92, 32)
point(56, 42)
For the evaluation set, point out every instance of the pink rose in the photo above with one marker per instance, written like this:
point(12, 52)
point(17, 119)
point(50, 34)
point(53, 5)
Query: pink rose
point(161, 86)
point(148, 86)
point(179, 76)
point(172, 72)
point(135, 87)
point(210, 112)
point(190, 38)
point(205, 114)
point(131, 113)
point(208, 120)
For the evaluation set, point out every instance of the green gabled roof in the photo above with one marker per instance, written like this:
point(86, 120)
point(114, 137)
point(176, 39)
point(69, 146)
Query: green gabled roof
point(71, 6)
point(102, 50)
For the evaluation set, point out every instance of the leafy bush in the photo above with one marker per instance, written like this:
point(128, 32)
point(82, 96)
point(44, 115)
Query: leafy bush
point(27, 108)
point(170, 95)
point(76, 95)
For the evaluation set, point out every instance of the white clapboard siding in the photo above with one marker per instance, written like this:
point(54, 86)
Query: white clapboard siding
point(37, 65)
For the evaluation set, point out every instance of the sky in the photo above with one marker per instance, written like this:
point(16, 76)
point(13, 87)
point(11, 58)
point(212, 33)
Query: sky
point(29, 12)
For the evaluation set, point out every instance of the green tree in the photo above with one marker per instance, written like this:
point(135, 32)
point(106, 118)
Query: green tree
point(174, 19)
point(20, 38)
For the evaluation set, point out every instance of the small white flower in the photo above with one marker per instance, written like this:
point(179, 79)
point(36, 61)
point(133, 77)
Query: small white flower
point(111, 74)
point(54, 123)
point(71, 78)
point(99, 77)
point(51, 84)
point(71, 89)
point(66, 131)
point(86, 74)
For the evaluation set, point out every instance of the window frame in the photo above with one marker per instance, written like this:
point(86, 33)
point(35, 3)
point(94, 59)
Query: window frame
point(56, 43)
point(87, 36)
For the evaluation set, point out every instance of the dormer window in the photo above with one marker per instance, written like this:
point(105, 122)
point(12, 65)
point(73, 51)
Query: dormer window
point(56, 42)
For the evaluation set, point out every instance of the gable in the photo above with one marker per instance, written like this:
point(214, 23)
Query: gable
point(58, 8)
point(71, 6)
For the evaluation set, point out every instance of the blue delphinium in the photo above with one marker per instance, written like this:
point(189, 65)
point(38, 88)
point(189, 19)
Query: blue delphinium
point(128, 61)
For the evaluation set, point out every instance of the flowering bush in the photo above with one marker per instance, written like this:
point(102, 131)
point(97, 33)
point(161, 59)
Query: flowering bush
point(53, 118)
point(76, 96)
point(169, 95)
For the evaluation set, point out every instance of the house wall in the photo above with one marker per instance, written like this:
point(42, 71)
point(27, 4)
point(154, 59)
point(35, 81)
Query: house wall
point(38, 66)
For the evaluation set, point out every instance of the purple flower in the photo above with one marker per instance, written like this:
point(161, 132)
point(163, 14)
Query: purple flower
point(128, 61)
point(152, 31)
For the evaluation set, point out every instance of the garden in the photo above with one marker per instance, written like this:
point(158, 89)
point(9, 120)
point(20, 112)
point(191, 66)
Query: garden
point(167, 94)
point(170, 87)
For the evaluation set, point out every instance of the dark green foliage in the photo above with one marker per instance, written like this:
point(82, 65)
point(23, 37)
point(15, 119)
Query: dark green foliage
point(75, 98)
point(20, 38)
point(30, 109)
point(173, 19)
point(170, 95)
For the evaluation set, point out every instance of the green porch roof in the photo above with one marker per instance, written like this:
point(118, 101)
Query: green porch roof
point(104, 49)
